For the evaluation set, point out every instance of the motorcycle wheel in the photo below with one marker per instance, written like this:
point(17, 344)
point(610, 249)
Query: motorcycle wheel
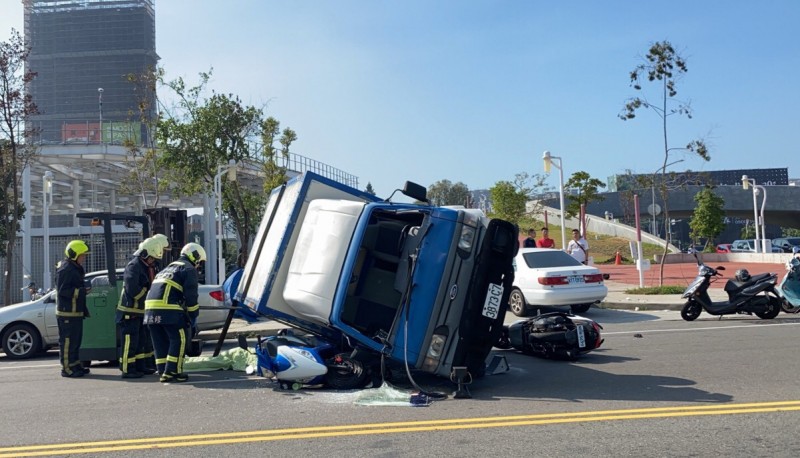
point(347, 375)
point(774, 308)
point(789, 308)
point(691, 311)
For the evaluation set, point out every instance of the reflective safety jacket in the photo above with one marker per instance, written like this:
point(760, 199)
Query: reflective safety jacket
point(70, 290)
point(173, 298)
point(136, 282)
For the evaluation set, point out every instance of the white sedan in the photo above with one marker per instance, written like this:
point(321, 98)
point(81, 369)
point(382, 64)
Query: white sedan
point(548, 277)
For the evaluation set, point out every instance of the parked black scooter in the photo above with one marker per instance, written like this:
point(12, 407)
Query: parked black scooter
point(747, 294)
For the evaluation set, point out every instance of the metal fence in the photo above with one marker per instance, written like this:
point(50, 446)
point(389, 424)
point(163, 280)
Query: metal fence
point(124, 246)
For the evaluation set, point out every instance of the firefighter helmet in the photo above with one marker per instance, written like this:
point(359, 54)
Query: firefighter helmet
point(76, 248)
point(152, 248)
point(194, 252)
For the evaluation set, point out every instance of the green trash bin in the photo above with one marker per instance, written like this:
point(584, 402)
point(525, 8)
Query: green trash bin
point(99, 341)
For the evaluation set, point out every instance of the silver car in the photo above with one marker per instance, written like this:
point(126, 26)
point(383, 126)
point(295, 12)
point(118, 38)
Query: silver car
point(30, 327)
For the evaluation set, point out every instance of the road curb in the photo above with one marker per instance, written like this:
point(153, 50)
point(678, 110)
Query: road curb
point(640, 306)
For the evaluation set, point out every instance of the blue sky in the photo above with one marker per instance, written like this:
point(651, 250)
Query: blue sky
point(475, 91)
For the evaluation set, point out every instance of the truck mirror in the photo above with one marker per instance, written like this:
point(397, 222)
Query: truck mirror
point(415, 191)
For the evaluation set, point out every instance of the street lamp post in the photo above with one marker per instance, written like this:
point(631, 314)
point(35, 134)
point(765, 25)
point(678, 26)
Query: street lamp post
point(230, 169)
point(746, 183)
point(47, 200)
point(100, 101)
point(548, 161)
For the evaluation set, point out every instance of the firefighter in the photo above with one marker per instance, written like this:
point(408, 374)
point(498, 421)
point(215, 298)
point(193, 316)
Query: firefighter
point(135, 348)
point(171, 308)
point(71, 307)
point(147, 356)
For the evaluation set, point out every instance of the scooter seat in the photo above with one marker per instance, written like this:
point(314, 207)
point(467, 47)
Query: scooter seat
point(734, 285)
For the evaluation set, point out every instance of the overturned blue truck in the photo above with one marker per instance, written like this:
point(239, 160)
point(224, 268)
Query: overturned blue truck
point(416, 284)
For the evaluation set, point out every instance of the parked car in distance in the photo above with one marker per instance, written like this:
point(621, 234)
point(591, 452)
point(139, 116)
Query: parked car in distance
point(29, 327)
point(786, 244)
point(749, 246)
point(549, 277)
point(723, 248)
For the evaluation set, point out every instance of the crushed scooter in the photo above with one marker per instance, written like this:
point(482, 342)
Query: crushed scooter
point(295, 361)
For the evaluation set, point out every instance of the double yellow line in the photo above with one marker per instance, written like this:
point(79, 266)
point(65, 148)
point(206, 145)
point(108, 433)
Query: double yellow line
point(393, 428)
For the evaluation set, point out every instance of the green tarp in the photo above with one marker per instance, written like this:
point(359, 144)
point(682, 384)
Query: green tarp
point(236, 359)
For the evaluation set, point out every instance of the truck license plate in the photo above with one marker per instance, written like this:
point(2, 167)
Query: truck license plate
point(494, 297)
point(581, 336)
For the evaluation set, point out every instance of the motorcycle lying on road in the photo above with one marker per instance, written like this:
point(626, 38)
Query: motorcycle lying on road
point(747, 294)
point(790, 285)
point(555, 335)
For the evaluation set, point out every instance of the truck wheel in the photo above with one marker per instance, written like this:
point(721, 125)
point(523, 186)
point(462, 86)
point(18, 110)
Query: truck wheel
point(21, 341)
point(516, 302)
point(346, 373)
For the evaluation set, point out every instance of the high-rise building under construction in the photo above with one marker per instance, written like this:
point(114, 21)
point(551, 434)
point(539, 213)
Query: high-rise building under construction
point(83, 52)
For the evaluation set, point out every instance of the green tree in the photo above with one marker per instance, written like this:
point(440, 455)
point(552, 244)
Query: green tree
point(789, 232)
point(663, 67)
point(586, 188)
point(444, 192)
point(708, 218)
point(508, 202)
point(16, 145)
point(201, 134)
point(369, 189)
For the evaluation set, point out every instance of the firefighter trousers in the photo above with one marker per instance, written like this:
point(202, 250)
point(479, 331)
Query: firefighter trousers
point(70, 334)
point(169, 344)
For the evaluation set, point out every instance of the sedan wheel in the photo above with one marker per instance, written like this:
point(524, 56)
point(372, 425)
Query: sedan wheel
point(21, 341)
point(516, 302)
point(580, 308)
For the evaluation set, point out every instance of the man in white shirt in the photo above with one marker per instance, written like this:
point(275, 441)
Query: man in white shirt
point(578, 247)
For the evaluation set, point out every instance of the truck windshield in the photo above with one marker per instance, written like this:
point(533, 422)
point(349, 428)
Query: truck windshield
point(380, 275)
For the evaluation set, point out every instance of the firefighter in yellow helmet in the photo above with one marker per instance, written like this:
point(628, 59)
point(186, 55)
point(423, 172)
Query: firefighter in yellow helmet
point(146, 341)
point(71, 307)
point(171, 308)
point(135, 348)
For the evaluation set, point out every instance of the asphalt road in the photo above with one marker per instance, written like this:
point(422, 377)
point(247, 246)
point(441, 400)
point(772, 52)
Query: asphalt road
point(659, 386)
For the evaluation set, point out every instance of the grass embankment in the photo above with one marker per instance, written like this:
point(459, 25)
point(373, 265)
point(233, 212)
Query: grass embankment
point(603, 248)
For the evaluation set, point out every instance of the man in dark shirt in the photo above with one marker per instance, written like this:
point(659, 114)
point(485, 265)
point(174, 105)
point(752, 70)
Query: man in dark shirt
point(530, 241)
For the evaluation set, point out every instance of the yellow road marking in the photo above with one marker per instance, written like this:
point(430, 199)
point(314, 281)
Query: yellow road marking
point(395, 427)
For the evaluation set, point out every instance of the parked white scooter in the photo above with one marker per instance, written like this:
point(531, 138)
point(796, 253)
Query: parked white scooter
point(789, 288)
